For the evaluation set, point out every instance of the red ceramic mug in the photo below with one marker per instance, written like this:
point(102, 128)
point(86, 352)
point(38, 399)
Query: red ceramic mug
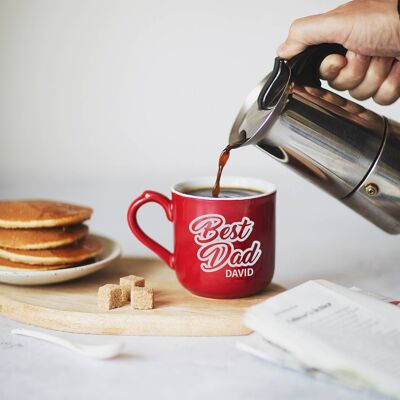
point(223, 247)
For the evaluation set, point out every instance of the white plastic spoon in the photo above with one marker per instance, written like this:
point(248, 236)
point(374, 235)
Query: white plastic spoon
point(102, 352)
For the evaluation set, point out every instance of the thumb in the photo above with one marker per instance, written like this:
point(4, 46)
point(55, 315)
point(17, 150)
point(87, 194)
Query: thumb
point(307, 31)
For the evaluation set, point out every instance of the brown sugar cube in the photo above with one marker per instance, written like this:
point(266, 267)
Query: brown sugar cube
point(142, 298)
point(127, 283)
point(109, 296)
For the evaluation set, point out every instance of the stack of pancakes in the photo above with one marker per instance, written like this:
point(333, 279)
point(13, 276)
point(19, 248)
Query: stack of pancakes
point(45, 235)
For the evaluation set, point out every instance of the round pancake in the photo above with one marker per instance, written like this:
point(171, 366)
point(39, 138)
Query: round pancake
point(7, 264)
point(74, 253)
point(41, 238)
point(41, 214)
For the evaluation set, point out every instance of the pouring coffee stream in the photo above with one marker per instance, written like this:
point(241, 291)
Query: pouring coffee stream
point(223, 159)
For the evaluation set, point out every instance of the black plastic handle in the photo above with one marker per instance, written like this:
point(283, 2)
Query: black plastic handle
point(302, 69)
point(305, 66)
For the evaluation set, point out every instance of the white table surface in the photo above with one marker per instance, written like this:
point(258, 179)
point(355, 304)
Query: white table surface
point(317, 238)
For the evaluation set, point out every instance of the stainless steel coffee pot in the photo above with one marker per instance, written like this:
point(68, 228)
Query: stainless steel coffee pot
point(345, 149)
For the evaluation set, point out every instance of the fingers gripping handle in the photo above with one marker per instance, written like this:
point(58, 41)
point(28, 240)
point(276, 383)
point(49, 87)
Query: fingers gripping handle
point(147, 197)
point(305, 66)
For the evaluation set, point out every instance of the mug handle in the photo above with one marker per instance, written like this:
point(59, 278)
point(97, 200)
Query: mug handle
point(147, 197)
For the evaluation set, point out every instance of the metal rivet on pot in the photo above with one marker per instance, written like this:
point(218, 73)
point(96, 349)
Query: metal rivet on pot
point(371, 189)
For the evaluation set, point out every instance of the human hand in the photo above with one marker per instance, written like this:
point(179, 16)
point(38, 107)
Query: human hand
point(370, 30)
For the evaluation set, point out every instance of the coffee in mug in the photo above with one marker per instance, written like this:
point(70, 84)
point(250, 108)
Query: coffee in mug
point(224, 192)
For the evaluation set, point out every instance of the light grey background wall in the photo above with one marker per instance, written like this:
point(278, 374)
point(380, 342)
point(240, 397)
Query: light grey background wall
point(101, 99)
point(96, 88)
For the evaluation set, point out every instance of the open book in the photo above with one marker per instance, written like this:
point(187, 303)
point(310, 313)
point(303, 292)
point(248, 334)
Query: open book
point(324, 328)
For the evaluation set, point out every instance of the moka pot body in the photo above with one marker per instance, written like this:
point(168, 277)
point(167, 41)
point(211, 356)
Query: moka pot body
point(348, 151)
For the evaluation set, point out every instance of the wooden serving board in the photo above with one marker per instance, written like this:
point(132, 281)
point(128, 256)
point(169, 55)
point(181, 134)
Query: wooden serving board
point(72, 306)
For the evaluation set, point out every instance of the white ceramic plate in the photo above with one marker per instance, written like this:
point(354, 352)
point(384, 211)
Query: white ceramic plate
point(111, 251)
